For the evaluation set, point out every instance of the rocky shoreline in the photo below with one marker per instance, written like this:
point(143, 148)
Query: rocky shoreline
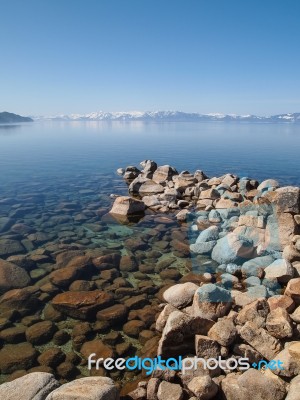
point(214, 272)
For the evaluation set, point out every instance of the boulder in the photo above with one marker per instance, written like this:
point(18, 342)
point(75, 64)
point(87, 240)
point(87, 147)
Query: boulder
point(203, 247)
point(211, 233)
point(206, 347)
point(169, 391)
point(182, 215)
point(256, 265)
point(82, 305)
point(223, 332)
point(12, 277)
point(203, 387)
point(294, 389)
point(287, 199)
point(125, 205)
point(268, 184)
point(211, 302)
point(253, 385)
point(91, 388)
point(211, 194)
point(180, 295)
point(255, 312)
point(151, 201)
point(282, 301)
point(163, 317)
point(148, 166)
point(260, 340)
point(293, 290)
point(232, 249)
point(164, 173)
point(179, 333)
point(290, 360)
point(281, 270)
point(279, 324)
point(150, 188)
point(33, 386)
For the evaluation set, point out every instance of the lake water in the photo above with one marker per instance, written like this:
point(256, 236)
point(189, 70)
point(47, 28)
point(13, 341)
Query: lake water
point(56, 150)
point(55, 184)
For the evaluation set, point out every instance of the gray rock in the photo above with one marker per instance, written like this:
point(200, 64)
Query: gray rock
point(33, 386)
point(203, 247)
point(211, 301)
point(252, 267)
point(180, 295)
point(209, 234)
point(281, 270)
point(232, 249)
point(91, 388)
point(232, 268)
point(268, 184)
point(252, 281)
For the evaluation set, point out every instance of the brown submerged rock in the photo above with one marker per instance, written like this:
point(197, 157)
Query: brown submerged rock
point(40, 332)
point(17, 356)
point(82, 305)
point(114, 314)
point(12, 277)
point(98, 347)
point(22, 300)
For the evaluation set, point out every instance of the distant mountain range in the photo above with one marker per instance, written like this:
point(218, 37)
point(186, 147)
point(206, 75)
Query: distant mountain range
point(8, 118)
point(169, 116)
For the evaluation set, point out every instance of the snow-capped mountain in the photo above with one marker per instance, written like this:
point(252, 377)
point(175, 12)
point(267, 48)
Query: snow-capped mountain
point(170, 116)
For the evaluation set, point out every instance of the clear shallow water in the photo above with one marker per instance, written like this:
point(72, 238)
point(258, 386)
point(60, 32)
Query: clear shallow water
point(57, 150)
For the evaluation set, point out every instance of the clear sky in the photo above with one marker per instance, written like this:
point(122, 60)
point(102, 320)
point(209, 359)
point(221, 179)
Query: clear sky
point(228, 56)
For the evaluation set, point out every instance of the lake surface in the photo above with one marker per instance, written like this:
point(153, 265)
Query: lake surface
point(56, 150)
point(55, 184)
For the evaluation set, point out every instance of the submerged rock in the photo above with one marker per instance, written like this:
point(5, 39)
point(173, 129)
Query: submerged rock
point(82, 305)
point(12, 277)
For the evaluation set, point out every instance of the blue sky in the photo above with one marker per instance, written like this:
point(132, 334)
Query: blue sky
point(228, 56)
